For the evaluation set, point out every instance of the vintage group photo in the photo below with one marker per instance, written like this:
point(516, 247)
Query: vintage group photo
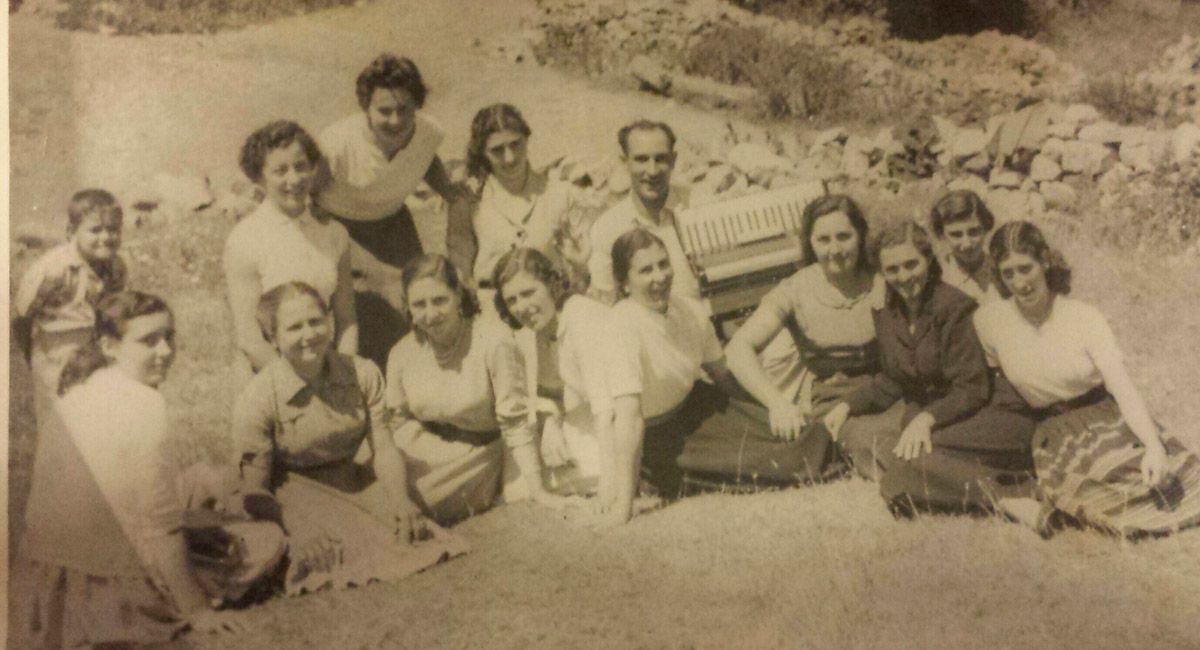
point(604, 324)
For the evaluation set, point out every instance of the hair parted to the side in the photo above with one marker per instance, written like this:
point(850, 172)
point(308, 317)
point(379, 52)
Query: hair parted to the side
point(488, 121)
point(644, 125)
point(830, 204)
point(390, 72)
point(900, 232)
point(92, 201)
point(623, 250)
point(267, 312)
point(441, 269)
point(113, 313)
point(547, 268)
point(275, 135)
point(1025, 238)
point(959, 205)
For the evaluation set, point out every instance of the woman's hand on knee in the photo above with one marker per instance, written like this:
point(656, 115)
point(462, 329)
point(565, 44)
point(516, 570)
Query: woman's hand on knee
point(836, 418)
point(411, 524)
point(787, 419)
point(916, 438)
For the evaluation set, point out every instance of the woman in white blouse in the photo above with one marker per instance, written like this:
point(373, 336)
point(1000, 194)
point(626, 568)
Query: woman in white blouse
point(1100, 457)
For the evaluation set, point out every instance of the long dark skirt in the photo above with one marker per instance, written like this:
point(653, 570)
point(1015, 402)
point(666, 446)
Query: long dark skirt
point(379, 250)
point(1089, 466)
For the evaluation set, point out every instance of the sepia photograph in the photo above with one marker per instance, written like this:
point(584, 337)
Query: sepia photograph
point(844, 324)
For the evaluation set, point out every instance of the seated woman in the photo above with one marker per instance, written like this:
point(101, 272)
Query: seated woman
point(956, 442)
point(535, 297)
point(667, 420)
point(282, 241)
point(516, 205)
point(102, 559)
point(377, 157)
point(297, 427)
point(456, 397)
point(1099, 455)
point(963, 221)
point(826, 306)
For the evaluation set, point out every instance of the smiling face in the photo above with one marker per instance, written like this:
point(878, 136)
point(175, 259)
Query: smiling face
point(650, 160)
point(303, 332)
point(392, 114)
point(905, 269)
point(98, 236)
point(505, 153)
point(1025, 278)
point(966, 241)
point(529, 301)
point(835, 243)
point(650, 277)
point(146, 350)
point(288, 178)
point(435, 310)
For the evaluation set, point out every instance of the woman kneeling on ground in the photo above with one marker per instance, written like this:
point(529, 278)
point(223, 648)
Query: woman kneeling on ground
point(297, 428)
point(560, 329)
point(1100, 457)
point(457, 397)
point(956, 441)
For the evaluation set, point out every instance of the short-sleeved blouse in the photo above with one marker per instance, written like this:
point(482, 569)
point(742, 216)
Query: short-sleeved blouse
point(582, 361)
point(825, 315)
point(658, 356)
point(478, 386)
point(287, 249)
point(280, 417)
point(1055, 361)
point(503, 221)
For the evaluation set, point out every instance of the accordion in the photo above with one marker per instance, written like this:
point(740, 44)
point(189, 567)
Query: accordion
point(740, 248)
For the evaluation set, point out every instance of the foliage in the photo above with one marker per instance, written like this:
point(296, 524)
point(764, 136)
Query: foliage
point(1121, 97)
point(180, 16)
point(813, 11)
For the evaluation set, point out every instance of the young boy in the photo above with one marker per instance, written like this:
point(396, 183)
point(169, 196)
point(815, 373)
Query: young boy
point(56, 298)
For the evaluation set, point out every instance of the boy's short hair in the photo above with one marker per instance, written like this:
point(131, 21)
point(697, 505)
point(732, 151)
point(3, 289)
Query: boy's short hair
point(85, 203)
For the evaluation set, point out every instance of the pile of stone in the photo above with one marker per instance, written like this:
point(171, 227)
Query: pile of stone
point(1175, 81)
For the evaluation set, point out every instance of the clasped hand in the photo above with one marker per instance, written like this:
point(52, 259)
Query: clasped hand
point(916, 439)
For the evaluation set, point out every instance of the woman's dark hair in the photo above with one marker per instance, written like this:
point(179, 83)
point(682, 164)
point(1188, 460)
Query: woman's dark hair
point(113, 314)
point(92, 201)
point(393, 73)
point(623, 250)
point(960, 205)
point(1026, 239)
point(441, 269)
point(267, 313)
point(828, 205)
point(490, 120)
point(276, 135)
point(905, 231)
point(548, 269)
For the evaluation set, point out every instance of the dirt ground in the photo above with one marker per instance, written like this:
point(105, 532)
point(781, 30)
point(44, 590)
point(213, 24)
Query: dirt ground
point(811, 568)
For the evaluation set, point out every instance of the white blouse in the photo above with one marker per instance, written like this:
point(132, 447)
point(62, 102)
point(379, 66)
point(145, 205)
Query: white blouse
point(287, 249)
point(503, 221)
point(1058, 360)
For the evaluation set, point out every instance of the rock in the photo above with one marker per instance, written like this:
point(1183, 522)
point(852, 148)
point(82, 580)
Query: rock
point(886, 143)
point(1063, 130)
point(1078, 115)
point(650, 74)
point(1115, 180)
point(1035, 203)
point(1052, 148)
point(1004, 178)
point(859, 144)
point(1104, 133)
point(1147, 154)
point(715, 181)
point(1185, 142)
point(1043, 168)
point(1007, 204)
point(979, 163)
point(811, 169)
point(855, 164)
point(967, 143)
point(752, 158)
point(836, 135)
point(190, 193)
point(1057, 195)
point(946, 129)
point(1087, 158)
point(969, 182)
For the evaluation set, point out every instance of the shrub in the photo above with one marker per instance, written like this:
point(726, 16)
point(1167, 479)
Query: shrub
point(813, 11)
point(929, 19)
point(180, 16)
point(1121, 97)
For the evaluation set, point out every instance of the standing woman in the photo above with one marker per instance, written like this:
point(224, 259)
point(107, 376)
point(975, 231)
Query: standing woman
point(956, 441)
point(826, 306)
point(283, 241)
point(377, 157)
point(516, 205)
point(297, 427)
point(535, 296)
point(1100, 456)
point(963, 221)
point(456, 397)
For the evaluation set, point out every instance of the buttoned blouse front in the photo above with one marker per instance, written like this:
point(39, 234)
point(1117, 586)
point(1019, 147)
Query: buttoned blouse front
point(938, 366)
point(60, 290)
point(658, 356)
point(308, 424)
point(503, 220)
point(478, 386)
point(288, 249)
point(825, 315)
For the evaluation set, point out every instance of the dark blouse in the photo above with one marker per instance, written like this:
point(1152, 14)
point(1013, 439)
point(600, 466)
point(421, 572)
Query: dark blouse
point(938, 368)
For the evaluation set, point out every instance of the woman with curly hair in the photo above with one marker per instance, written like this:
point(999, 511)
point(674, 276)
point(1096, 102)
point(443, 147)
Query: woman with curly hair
point(1100, 457)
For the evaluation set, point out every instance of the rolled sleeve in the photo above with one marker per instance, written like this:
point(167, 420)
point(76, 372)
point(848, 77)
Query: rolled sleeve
point(253, 423)
point(370, 382)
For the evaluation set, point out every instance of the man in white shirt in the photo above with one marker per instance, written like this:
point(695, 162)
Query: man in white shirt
point(648, 151)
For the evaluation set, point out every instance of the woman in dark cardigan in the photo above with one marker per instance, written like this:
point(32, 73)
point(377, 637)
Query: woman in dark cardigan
point(950, 436)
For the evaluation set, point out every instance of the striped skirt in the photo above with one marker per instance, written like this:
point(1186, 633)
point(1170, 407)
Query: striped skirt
point(1088, 465)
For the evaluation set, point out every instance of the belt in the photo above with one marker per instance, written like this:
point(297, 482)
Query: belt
point(1093, 396)
point(485, 284)
point(451, 433)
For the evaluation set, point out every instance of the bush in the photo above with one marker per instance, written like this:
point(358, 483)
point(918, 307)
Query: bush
point(1119, 96)
point(813, 11)
point(180, 16)
point(923, 20)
